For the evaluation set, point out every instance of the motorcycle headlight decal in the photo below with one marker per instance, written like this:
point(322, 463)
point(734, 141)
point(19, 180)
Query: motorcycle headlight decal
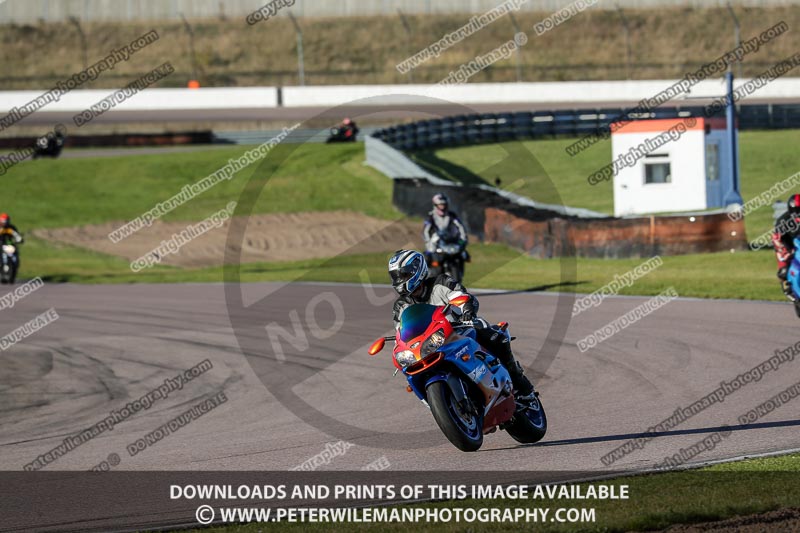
point(433, 343)
point(405, 358)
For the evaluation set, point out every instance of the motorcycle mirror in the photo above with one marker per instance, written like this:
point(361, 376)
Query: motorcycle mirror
point(377, 346)
point(459, 300)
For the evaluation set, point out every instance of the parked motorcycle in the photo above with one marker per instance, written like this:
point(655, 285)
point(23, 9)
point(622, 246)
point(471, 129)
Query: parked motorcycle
point(467, 389)
point(447, 257)
point(10, 263)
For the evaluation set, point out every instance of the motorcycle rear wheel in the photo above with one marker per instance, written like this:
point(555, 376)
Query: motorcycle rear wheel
point(464, 430)
point(528, 425)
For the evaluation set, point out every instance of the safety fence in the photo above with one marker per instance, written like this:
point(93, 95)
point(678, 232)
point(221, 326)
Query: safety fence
point(498, 127)
point(544, 230)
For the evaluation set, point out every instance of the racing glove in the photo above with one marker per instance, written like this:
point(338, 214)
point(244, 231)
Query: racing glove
point(470, 309)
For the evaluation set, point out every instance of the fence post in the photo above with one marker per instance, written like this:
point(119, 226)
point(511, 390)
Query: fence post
point(517, 51)
point(192, 56)
point(407, 27)
point(301, 69)
point(627, 41)
point(84, 46)
point(736, 35)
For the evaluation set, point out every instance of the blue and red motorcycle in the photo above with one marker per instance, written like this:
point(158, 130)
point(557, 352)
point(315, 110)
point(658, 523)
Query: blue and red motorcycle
point(467, 389)
point(793, 277)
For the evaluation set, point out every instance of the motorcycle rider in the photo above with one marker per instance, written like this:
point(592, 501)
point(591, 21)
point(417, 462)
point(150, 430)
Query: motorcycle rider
point(787, 227)
point(10, 235)
point(349, 128)
point(8, 231)
point(345, 131)
point(408, 271)
point(51, 144)
point(443, 223)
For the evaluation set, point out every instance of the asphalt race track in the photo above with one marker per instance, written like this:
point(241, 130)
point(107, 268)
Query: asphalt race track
point(113, 344)
point(385, 112)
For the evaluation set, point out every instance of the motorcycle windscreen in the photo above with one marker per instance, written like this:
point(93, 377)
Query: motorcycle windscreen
point(415, 319)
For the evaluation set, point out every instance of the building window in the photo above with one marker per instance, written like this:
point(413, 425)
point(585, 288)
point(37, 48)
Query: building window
point(712, 162)
point(657, 169)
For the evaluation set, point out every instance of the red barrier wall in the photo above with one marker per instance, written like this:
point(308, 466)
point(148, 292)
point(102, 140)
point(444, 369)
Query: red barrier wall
point(616, 237)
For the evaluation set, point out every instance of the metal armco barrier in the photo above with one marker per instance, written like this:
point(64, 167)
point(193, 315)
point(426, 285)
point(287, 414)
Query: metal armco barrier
point(498, 127)
point(555, 231)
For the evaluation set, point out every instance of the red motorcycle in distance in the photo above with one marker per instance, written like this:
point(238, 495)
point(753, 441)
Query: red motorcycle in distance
point(467, 389)
point(344, 132)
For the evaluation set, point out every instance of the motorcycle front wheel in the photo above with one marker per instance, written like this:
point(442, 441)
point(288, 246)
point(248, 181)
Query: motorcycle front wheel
point(462, 427)
point(529, 424)
point(455, 270)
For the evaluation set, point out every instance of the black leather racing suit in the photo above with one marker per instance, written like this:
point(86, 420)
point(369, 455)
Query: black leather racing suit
point(439, 291)
point(11, 235)
point(448, 225)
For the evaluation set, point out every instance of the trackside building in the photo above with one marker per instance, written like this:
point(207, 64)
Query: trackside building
point(670, 165)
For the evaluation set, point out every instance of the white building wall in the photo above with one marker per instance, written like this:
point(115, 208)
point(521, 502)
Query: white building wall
point(685, 192)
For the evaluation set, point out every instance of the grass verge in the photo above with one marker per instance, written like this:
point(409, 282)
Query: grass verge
point(655, 501)
point(747, 275)
point(70, 192)
point(312, 177)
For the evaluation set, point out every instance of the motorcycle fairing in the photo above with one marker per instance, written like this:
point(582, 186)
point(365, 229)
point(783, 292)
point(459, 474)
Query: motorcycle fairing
point(481, 368)
point(794, 270)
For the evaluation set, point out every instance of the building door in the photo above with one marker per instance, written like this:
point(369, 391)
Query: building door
point(714, 190)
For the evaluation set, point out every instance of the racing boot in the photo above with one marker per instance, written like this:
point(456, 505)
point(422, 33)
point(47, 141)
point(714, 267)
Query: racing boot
point(498, 342)
point(523, 388)
point(787, 290)
point(783, 274)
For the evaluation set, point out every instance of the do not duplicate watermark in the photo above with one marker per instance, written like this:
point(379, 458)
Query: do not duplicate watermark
point(117, 97)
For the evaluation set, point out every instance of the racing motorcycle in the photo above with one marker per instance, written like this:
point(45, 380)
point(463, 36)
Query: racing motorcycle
point(793, 277)
point(49, 145)
point(467, 389)
point(341, 134)
point(447, 257)
point(8, 272)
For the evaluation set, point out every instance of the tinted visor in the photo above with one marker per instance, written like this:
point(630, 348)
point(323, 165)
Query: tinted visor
point(402, 274)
